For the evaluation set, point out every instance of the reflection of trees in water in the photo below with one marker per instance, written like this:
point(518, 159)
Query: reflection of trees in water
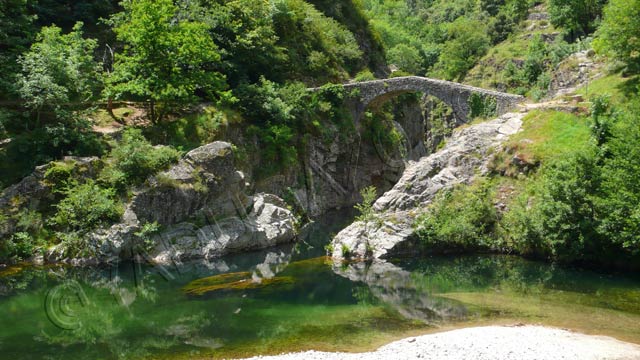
point(412, 290)
point(122, 300)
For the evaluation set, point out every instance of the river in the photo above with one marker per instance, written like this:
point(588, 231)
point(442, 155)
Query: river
point(292, 298)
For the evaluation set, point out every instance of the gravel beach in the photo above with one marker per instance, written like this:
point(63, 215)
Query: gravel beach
point(491, 343)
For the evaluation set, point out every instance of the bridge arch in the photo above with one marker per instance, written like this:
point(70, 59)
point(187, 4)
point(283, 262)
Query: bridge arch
point(455, 95)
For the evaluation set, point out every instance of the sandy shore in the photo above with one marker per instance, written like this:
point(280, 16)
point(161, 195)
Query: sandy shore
point(494, 343)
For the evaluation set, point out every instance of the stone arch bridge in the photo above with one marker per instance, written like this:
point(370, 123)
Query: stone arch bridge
point(457, 96)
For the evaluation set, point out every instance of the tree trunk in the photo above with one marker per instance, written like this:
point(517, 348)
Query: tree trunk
point(152, 112)
point(110, 111)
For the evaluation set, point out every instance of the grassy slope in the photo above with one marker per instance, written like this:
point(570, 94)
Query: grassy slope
point(488, 72)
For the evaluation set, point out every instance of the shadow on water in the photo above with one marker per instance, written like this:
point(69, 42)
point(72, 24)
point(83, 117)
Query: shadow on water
point(293, 298)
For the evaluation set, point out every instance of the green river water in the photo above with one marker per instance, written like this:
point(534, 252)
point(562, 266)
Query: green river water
point(291, 298)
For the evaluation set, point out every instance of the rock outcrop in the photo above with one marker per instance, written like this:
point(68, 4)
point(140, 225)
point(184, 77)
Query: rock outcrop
point(34, 192)
point(465, 154)
point(203, 209)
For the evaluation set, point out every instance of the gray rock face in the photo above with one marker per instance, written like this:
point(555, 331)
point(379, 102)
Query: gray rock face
point(33, 192)
point(269, 223)
point(465, 154)
point(204, 183)
point(204, 212)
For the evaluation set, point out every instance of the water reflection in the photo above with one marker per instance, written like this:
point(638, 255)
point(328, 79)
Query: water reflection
point(296, 300)
point(402, 291)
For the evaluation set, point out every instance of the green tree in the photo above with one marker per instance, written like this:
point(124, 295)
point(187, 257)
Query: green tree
point(58, 69)
point(407, 58)
point(467, 43)
point(621, 188)
point(166, 61)
point(619, 34)
point(244, 31)
point(576, 16)
point(16, 32)
point(365, 208)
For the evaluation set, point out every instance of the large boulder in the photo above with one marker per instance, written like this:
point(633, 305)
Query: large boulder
point(465, 154)
point(203, 210)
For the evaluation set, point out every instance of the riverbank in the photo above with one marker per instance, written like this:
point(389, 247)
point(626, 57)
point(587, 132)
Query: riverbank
point(491, 343)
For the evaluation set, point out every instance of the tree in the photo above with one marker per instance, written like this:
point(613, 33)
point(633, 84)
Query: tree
point(57, 70)
point(576, 16)
point(16, 32)
point(619, 34)
point(407, 58)
point(467, 43)
point(165, 62)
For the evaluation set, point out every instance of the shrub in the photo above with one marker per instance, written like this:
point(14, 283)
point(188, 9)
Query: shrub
point(482, 106)
point(59, 174)
point(365, 208)
point(87, 206)
point(19, 247)
point(365, 75)
point(134, 159)
point(462, 218)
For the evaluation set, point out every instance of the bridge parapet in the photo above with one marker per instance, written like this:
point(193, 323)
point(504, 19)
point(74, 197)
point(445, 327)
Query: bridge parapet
point(456, 95)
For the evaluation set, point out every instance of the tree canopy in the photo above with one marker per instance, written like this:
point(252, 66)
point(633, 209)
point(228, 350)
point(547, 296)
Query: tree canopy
point(166, 61)
point(619, 34)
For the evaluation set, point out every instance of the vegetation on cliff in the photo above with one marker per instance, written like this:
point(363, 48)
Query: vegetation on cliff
point(173, 73)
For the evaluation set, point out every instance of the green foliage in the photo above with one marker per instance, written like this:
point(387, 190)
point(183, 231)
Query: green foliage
point(465, 45)
point(277, 147)
point(85, 207)
point(364, 75)
point(16, 33)
point(406, 58)
point(346, 252)
point(193, 130)
point(134, 159)
point(482, 106)
point(579, 17)
point(20, 246)
point(463, 218)
point(165, 61)
point(533, 76)
point(619, 34)
point(57, 70)
point(144, 236)
point(621, 169)
point(59, 175)
point(73, 136)
point(319, 48)
point(365, 208)
point(244, 32)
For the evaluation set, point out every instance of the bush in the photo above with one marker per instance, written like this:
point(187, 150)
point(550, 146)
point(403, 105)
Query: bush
point(134, 159)
point(59, 174)
point(364, 75)
point(482, 106)
point(85, 207)
point(619, 34)
point(19, 246)
point(365, 208)
point(462, 218)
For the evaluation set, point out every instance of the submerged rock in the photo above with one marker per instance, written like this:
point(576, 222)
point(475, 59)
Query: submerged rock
point(465, 154)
